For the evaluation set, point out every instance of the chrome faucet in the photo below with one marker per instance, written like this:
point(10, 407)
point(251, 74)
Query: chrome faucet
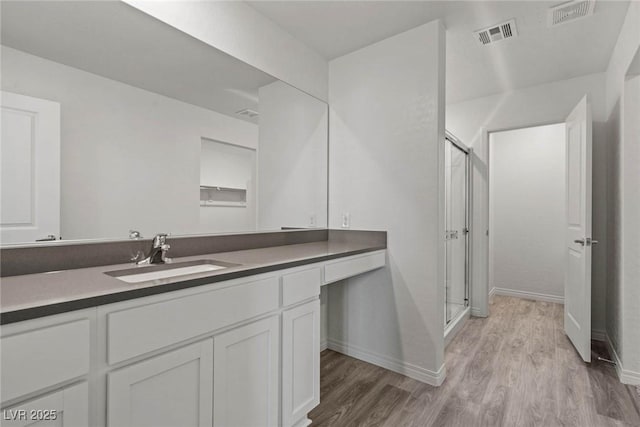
point(159, 249)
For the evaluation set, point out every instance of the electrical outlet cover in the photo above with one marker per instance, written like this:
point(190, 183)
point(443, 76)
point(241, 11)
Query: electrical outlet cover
point(346, 220)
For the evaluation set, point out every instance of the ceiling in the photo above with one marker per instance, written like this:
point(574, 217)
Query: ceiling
point(538, 55)
point(117, 41)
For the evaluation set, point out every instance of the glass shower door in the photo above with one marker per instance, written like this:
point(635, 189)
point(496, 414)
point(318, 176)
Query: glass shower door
point(456, 230)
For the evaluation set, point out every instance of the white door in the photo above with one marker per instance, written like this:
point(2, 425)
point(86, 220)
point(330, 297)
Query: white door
point(300, 362)
point(246, 373)
point(29, 169)
point(577, 285)
point(68, 407)
point(173, 389)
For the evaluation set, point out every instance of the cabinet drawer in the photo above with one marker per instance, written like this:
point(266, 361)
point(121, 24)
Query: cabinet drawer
point(300, 286)
point(342, 269)
point(68, 407)
point(44, 357)
point(139, 330)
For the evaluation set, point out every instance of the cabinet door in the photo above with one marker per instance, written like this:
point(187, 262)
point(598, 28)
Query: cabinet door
point(246, 373)
point(173, 389)
point(68, 407)
point(300, 362)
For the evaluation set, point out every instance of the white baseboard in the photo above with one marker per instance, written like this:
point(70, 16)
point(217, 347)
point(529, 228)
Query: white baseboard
point(598, 335)
point(324, 344)
point(528, 295)
point(304, 422)
point(476, 312)
point(625, 376)
point(407, 369)
point(453, 328)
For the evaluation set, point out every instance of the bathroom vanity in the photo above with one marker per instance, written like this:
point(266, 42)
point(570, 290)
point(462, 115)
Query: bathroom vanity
point(236, 346)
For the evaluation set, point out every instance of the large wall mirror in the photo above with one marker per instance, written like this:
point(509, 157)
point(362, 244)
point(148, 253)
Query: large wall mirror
point(114, 121)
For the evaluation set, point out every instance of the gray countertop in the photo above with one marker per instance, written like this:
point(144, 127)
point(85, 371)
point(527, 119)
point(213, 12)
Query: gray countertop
point(36, 295)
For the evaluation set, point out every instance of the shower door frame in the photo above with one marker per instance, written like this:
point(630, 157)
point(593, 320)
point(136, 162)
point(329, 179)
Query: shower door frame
point(468, 225)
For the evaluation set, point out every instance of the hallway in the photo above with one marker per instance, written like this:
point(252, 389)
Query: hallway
point(514, 368)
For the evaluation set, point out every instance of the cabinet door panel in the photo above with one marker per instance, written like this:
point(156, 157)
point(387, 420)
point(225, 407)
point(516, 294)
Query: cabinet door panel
point(300, 361)
point(168, 390)
point(68, 407)
point(246, 366)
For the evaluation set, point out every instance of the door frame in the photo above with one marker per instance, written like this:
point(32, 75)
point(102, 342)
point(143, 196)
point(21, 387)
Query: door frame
point(487, 287)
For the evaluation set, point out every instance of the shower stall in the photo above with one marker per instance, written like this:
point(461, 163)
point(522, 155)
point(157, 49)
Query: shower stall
point(457, 231)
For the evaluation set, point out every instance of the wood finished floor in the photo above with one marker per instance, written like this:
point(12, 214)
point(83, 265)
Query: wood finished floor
point(514, 368)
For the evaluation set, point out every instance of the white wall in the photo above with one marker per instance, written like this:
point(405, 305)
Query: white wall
point(130, 158)
point(614, 298)
point(623, 55)
point(623, 110)
point(292, 159)
point(630, 197)
point(386, 163)
point(527, 211)
point(544, 104)
point(239, 30)
point(623, 296)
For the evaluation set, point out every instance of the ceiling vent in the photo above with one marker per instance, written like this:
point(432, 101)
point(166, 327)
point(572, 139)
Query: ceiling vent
point(248, 113)
point(570, 11)
point(496, 33)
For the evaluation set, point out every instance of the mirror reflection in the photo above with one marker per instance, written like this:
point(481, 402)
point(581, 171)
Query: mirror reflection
point(114, 121)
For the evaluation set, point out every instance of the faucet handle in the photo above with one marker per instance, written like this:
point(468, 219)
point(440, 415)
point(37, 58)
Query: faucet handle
point(159, 240)
point(165, 248)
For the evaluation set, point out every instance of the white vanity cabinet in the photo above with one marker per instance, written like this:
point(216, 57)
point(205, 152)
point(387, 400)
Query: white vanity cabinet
point(242, 352)
point(172, 389)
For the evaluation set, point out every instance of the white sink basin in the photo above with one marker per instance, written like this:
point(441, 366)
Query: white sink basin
point(167, 271)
